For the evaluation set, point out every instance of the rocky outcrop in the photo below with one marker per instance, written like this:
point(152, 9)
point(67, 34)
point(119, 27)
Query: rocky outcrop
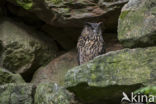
point(103, 79)
point(8, 77)
point(34, 32)
point(16, 94)
point(48, 93)
point(45, 93)
point(56, 69)
point(74, 13)
point(137, 24)
point(23, 49)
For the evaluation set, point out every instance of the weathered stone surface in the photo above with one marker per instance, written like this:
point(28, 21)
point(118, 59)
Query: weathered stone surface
point(16, 94)
point(22, 48)
point(73, 13)
point(8, 77)
point(48, 93)
point(56, 69)
point(137, 24)
point(103, 79)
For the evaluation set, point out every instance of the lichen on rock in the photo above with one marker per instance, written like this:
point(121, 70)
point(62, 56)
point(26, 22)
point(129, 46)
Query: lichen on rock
point(51, 93)
point(136, 25)
point(16, 94)
point(111, 74)
point(8, 77)
point(23, 48)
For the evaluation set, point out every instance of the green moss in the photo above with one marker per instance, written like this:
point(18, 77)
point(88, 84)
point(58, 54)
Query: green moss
point(124, 14)
point(7, 77)
point(16, 56)
point(26, 4)
point(153, 10)
point(147, 90)
point(49, 93)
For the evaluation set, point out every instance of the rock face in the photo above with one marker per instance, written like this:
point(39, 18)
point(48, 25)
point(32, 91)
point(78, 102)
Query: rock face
point(107, 76)
point(56, 69)
point(8, 77)
point(137, 23)
point(16, 94)
point(73, 13)
point(22, 49)
point(45, 93)
point(49, 93)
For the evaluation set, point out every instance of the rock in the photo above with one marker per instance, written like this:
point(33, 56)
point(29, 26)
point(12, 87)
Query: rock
point(16, 94)
point(23, 49)
point(73, 13)
point(137, 24)
point(103, 79)
point(56, 69)
point(8, 77)
point(48, 93)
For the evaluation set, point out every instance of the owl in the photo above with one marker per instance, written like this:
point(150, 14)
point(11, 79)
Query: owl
point(90, 43)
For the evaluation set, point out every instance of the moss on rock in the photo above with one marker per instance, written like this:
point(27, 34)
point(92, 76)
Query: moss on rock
point(49, 93)
point(136, 26)
point(8, 77)
point(26, 4)
point(24, 49)
point(16, 94)
point(123, 70)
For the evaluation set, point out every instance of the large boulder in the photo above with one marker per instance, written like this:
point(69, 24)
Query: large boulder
point(137, 24)
point(16, 94)
point(49, 93)
point(56, 69)
point(8, 77)
point(73, 13)
point(22, 49)
point(103, 79)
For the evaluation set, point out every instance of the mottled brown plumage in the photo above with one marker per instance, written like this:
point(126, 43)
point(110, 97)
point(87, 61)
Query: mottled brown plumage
point(90, 43)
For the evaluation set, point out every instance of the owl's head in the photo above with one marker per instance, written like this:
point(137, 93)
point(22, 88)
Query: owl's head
point(94, 28)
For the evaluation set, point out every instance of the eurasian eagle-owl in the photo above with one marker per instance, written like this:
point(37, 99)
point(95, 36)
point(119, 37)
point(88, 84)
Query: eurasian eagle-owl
point(90, 43)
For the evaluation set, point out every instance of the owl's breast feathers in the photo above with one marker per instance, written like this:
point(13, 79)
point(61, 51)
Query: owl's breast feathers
point(90, 47)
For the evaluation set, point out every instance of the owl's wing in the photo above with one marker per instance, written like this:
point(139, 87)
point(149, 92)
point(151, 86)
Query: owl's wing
point(102, 48)
point(80, 45)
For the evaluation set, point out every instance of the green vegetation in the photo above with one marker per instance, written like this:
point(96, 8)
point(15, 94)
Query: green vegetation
point(26, 4)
